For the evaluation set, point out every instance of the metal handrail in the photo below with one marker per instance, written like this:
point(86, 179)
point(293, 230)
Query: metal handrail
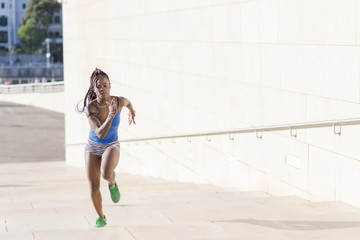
point(336, 124)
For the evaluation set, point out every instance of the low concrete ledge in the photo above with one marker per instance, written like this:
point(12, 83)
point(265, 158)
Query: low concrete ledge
point(54, 101)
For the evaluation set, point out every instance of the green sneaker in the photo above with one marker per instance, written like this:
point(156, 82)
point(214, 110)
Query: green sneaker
point(115, 193)
point(100, 222)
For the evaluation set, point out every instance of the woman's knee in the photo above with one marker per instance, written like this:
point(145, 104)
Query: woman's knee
point(107, 174)
point(94, 187)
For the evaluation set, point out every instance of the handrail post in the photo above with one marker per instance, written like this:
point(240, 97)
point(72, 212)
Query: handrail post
point(258, 135)
point(338, 132)
point(292, 133)
point(231, 138)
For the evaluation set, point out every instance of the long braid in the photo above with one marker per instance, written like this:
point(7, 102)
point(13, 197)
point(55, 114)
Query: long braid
point(90, 94)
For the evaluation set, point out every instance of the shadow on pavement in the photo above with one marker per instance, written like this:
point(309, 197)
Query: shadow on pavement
point(298, 225)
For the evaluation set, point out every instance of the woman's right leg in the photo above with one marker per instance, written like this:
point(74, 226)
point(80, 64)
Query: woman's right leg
point(93, 164)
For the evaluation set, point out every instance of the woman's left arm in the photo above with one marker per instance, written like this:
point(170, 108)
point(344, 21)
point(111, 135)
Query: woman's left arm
point(124, 102)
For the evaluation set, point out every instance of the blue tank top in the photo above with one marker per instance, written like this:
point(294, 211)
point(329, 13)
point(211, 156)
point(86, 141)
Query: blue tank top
point(112, 134)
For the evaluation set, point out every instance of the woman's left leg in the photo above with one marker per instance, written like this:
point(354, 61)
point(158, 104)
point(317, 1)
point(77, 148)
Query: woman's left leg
point(110, 160)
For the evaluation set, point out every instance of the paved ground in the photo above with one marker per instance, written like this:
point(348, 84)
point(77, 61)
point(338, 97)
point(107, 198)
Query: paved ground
point(30, 134)
point(49, 200)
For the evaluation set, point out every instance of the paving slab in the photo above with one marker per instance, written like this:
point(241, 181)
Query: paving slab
point(85, 234)
point(26, 235)
point(243, 230)
point(45, 223)
point(196, 230)
point(116, 218)
point(28, 213)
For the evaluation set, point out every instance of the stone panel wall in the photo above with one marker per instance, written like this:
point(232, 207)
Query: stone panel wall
point(191, 66)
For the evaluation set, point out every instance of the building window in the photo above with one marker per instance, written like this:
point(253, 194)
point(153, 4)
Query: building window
point(57, 19)
point(50, 34)
point(57, 34)
point(3, 21)
point(3, 37)
point(24, 5)
point(2, 5)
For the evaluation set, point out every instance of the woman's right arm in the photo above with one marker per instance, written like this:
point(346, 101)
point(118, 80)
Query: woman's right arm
point(100, 130)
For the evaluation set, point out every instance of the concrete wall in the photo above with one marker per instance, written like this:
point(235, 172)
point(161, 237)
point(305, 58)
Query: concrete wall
point(54, 101)
point(220, 64)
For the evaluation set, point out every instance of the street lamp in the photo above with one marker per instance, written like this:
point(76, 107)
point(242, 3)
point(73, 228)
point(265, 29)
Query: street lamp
point(48, 54)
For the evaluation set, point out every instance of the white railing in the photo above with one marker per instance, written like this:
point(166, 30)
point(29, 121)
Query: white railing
point(292, 128)
point(32, 88)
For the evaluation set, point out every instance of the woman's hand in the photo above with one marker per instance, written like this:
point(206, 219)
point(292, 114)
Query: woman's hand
point(132, 117)
point(112, 107)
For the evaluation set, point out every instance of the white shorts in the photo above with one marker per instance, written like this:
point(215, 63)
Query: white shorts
point(99, 148)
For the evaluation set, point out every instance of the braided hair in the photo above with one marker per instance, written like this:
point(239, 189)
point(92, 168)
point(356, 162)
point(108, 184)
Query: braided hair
point(96, 75)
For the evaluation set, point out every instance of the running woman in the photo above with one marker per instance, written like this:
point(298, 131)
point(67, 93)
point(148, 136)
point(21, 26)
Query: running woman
point(102, 151)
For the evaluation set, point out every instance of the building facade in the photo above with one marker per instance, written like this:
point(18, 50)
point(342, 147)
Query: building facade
point(11, 13)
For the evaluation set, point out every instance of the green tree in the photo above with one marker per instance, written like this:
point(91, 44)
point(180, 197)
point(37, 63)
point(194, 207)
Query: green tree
point(31, 36)
point(41, 11)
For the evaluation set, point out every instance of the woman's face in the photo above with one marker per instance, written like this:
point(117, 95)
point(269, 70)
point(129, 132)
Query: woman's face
point(102, 88)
